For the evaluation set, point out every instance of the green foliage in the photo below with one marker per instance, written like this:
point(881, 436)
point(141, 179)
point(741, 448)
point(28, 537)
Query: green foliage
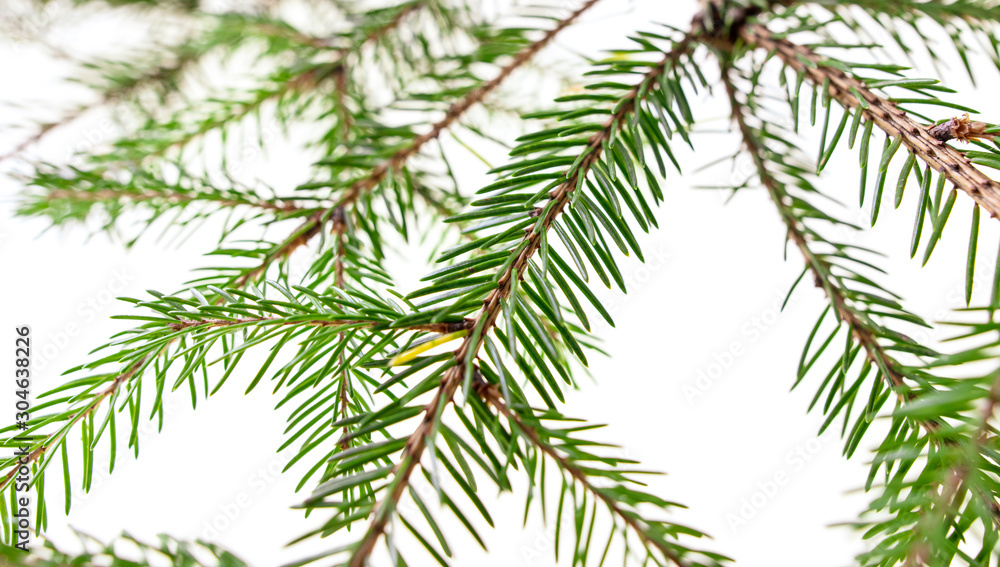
point(960, 19)
point(861, 314)
point(378, 412)
point(938, 491)
point(126, 551)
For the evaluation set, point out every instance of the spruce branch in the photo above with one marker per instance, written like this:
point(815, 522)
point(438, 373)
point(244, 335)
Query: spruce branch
point(312, 321)
point(860, 324)
point(905, 23)
point(940, 11)
point(612, 499)
point(123, 167)
point(954, 17)
point(355, 357)
point(314, 225)
point(660, 90)
point(44, 447)
point(887, 116)
point(861, 327)
point(459, 108)
point(125, 550)
point(205, 324)
point(86, 195)
point(958, 473)
point(924, 515)
point(821, 269)
point(124, 80)
point(172, 198)
point(311, 76)
point(184, 332)
point(461, 371)
point(120, 90)
point(340, 230)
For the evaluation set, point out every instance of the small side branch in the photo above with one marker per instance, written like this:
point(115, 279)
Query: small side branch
point(313, 225)
point(276, 205)
point(853, 93)
point(187, 325)
point(490, 394)
point(111, 96)
point(441, 328)
point(821, 269)
point(340, 230)
point(55, 438)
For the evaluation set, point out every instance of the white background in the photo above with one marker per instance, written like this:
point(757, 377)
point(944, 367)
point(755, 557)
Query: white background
point(714, 278)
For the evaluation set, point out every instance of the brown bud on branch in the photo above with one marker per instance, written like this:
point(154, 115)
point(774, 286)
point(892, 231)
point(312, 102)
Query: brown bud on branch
point(961, 128)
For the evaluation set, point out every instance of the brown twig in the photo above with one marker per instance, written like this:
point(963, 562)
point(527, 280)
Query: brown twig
point(885, 114)
point(346, 118)
point(340, 230)
point(441, 328)
point(279, 205)
point(54, 438)
point(490, 394)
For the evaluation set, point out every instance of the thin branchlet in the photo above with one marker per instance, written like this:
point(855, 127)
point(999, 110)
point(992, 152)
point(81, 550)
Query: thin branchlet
point(273, 205)
point(308, 80)
point(314, 225)
point(887, 116)
point(185, 326)
point(491, 395)
point(955, 485)
point(441, 328)
point(51, 440)
point(820, 268)
point(340, 230)
point(187, 55)
point(111, 96)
